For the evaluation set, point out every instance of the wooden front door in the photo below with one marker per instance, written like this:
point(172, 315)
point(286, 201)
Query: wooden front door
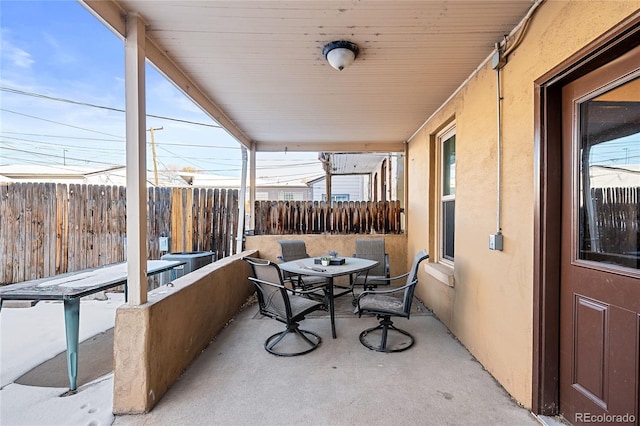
point(600, 247)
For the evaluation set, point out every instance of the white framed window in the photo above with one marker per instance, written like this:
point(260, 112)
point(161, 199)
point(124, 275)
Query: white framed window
point(446, 145)
point(291, 196)
point(339, 197)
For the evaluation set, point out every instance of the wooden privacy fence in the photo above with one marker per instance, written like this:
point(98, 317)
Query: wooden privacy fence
point(617, 219)
point(48, 229)
point(311, 217)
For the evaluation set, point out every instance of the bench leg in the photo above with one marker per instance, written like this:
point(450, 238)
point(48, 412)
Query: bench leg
point(71, 325)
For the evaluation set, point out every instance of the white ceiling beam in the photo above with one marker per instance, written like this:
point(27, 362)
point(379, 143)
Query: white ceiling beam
point(330, 147)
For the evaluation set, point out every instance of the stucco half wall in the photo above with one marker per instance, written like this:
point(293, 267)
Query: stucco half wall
point(345, 244)
point(488, 304)
point(155, 342)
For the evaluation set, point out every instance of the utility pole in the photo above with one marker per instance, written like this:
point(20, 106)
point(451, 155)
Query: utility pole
point(153, 152)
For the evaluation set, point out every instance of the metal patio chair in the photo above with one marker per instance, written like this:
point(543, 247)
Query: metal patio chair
point(372, 249)
point(295, 250)
point(384, 305)
point(282, 304)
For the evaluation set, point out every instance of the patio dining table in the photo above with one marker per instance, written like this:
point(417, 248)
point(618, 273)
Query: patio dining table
point(70, 287)
point(307, 266)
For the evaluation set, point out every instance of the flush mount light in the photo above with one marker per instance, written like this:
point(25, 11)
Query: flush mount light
point(340, 54)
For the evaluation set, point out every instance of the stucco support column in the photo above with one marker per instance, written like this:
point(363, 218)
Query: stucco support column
point(134, 61)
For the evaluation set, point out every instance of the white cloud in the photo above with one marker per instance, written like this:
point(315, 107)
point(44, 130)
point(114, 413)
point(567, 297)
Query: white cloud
point(16, 56)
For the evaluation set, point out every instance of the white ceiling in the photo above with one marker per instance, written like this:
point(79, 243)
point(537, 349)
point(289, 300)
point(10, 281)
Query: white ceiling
point(259, 64)
point(355, 163)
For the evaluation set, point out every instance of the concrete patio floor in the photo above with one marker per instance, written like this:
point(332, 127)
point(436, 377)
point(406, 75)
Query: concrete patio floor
point(236, 382)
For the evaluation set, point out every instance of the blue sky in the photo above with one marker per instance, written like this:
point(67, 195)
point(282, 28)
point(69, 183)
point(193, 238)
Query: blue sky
point(57, 49)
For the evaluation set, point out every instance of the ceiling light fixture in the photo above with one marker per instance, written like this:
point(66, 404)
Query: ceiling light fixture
point(340, 54)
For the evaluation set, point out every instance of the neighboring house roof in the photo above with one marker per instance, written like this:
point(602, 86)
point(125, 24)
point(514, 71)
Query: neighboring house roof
point(52, 174)
point(623, 176)
point(22, 171)
point(117, 176)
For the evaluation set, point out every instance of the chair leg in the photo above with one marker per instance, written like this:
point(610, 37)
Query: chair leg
point(308, 337)
point(385, 326)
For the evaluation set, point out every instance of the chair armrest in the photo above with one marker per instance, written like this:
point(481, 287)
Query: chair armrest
point(252, 279)
point(305, 292)
point(384, 279)
point(391, 290)
point(291, 291)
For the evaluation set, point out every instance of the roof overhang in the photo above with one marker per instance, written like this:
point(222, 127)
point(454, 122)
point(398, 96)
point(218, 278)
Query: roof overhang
point(257, 68)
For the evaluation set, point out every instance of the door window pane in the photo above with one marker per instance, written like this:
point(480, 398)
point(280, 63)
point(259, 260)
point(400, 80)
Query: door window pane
point(609, 164)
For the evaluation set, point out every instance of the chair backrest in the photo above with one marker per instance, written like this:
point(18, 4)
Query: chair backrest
point(412, 279)
point(292, 250)
point(273, 299)
point(372, 249)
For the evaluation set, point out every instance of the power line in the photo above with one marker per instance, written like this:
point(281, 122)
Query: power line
point(64, 137)
point(113, 156)
point(9, 139)
point(295, 177)
point(116, 152)
point(106, 150)
point(605, 161)
point(57, 156)
point(187, 145)
point(621, 169)
point(70, 101)
point(59, 123)
point(120, 138)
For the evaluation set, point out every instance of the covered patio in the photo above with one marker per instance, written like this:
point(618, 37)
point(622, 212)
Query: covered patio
point(234, 381)
point(263, 72)
point(453, 85)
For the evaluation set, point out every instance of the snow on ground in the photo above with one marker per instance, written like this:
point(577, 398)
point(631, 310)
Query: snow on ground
point(30, 336)
point(31, 405)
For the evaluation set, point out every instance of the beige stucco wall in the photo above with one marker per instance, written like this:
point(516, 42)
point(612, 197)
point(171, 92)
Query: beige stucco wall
point(490, 307)
point(345, 245)
point(155, 342)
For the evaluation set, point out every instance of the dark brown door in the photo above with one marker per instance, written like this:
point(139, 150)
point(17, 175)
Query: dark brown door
point(600, 269)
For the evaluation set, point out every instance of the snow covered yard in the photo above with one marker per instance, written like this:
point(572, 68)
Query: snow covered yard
point(31, 336)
